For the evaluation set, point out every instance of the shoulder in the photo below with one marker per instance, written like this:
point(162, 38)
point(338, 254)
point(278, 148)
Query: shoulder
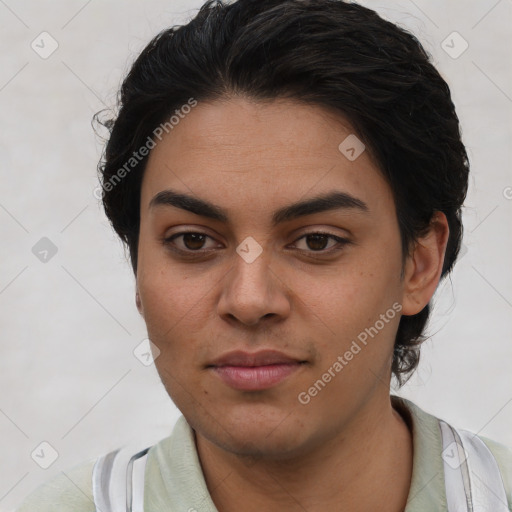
point(503, 455)
point(168, 460)
point(488, 466)
point(68, 491)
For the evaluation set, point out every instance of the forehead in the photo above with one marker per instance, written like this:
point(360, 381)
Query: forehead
point(252, 153)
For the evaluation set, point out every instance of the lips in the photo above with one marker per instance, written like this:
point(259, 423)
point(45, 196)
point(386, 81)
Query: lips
point(262, 358)
point(255, 371)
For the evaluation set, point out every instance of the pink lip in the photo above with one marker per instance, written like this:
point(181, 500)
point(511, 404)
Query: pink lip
point(255, 372)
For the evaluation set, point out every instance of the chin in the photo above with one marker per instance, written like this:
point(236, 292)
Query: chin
point(253, 444)
point(258, 432)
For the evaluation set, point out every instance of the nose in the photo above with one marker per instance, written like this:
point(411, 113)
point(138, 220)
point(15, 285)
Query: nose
point(252, 291)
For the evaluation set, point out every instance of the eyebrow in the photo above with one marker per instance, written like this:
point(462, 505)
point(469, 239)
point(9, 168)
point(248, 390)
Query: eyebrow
point(334, 200)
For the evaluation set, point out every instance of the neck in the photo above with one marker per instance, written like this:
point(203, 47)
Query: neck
point(368, 466)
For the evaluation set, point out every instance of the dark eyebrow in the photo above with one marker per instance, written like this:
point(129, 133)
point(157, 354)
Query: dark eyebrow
point(331, 201)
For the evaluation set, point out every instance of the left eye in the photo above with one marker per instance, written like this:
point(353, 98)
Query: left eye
point(317, 242)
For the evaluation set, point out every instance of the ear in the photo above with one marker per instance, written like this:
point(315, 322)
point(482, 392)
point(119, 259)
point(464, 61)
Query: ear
point(424, 265)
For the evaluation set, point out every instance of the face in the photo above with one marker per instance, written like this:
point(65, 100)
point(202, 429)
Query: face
point(252, 301)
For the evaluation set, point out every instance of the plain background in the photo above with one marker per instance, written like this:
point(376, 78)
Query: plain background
point(69, 326)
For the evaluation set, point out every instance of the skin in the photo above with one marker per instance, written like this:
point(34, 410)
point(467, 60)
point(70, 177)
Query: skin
point(347, 449)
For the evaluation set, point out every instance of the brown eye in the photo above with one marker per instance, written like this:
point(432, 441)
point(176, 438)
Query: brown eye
point(190, 241)
point(319, 242)
point(193, 241)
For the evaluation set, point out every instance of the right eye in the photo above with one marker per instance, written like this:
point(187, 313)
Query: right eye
point(191, 242)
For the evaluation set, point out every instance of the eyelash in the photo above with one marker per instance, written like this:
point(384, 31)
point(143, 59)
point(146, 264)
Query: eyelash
point(341, 243)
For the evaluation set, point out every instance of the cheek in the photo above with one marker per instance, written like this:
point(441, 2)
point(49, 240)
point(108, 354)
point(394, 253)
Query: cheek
point(162, 287)
point(353, 292)
point(175, 303)
point(167, 299)
point(345, 306)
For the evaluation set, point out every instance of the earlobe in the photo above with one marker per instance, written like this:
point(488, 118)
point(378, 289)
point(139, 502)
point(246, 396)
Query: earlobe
point(423, 267)
point(138, 303)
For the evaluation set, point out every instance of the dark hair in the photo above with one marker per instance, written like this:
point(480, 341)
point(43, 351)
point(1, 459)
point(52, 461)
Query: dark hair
point(329, 53)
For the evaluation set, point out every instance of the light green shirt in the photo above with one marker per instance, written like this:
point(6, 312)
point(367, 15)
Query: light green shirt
point(174, 481)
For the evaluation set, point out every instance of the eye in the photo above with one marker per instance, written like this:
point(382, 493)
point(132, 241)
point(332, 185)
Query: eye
point(318, 242)
point(191, 241)
point(315, 242)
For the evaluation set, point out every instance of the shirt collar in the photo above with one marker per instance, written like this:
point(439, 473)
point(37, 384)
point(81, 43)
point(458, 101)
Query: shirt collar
point(174, 467)
point(427, 491)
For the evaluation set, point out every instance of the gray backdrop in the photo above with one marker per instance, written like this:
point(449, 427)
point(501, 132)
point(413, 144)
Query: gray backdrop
point(69, 325)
